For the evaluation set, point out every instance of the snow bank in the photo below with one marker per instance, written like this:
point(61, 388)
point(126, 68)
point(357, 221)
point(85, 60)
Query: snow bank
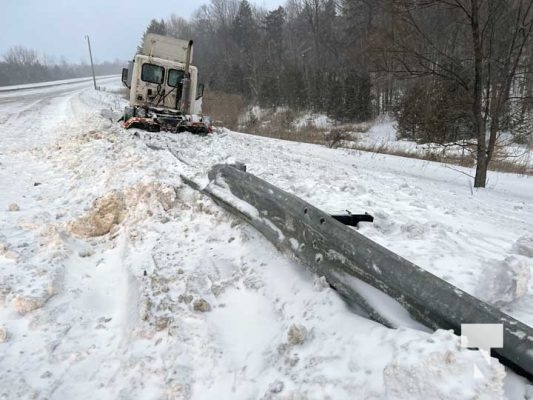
point(105, 213)
point(294, 121)
point(524, 246)
point(504, 282)
point(110, 210)
point(320, 121)
point(437, 367)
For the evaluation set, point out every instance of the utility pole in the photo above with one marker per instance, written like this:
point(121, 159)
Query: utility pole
point(91, 57)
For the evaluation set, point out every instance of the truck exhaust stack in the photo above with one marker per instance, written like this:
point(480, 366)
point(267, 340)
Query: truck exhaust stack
point(186, 82)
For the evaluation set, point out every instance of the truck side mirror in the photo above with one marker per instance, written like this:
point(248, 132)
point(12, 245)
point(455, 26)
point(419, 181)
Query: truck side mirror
point(125, 77)
point(200, 91)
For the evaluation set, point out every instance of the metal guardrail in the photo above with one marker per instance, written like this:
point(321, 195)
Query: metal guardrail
point(337, 252)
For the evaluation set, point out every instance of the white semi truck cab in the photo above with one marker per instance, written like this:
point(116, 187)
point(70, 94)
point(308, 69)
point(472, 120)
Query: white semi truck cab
point(164, 89)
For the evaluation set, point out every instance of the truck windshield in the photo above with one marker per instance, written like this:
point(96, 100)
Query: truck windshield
point(175, 77)
point(152, 73)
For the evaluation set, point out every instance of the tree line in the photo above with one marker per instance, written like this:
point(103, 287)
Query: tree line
point(449, 70)
point(22, 65)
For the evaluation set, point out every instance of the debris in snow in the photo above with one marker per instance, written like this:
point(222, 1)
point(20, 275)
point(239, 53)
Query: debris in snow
point(177, 390)
point(413, 231)
point(13, 207)
point(185, 298)
point(144, 309)
point(320, 283)
point(46, 374)
point(7, 253)
point(3, 334)
point(201, 305)
point(524, 246)
point(26, 304)
point(251, 282)
point(161, 323)
point(292, 359)
point(384, 223)
point(505, 281)
point(108, 211)
point(432, 368)
point(55, 282)
point(216, 289)
point(105, 212)
point(297, 335)
point(85, 253)
point(273, 389)
point(152, 193)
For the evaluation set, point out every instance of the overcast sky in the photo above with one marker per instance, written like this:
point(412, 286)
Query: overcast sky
point(58, 27)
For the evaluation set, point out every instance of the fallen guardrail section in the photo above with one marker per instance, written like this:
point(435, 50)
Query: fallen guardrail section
point(345, 258)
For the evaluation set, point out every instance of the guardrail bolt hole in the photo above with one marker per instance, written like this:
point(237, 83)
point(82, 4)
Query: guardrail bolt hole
point(322, 220)
point(305, 210)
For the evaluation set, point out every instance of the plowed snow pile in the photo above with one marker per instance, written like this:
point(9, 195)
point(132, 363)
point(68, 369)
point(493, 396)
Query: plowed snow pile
point(120, 282)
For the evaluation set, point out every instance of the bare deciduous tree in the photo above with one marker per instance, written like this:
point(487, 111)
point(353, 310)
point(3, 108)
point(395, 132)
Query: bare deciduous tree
point(478, 44)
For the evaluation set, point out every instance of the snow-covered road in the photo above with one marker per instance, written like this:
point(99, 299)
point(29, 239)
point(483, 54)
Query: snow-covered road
point(119, 281)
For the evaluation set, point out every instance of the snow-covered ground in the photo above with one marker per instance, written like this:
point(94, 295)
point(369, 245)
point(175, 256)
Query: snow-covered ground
point(383, 137)
point(119, 281)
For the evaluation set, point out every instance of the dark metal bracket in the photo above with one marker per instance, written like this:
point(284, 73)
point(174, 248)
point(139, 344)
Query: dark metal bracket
point(353, 219)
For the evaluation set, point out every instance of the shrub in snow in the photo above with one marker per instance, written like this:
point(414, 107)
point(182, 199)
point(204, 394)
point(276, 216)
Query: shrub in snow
point(336, 136)
point(524, 246)
point(504, 281)
point(438, 368)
